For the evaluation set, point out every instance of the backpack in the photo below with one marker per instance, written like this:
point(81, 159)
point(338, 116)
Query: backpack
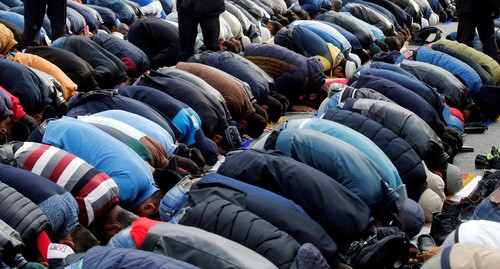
point(388, 248)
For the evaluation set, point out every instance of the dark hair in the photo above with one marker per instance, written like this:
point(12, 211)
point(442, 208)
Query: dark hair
point(165, 179)
point(275, 27)
point(231, 46)
point(259, 110)
point(274, 109)
point(255, 125)
point(125, 217)
point(302, 15)
point(56, 111)
point(83, 239)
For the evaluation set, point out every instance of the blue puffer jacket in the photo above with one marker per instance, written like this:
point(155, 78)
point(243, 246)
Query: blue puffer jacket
point(228, 62)
point(124, 12)
point(340, 212)
point(326, 32)
point(114, 258)
point(405, 98)
point(411, 83)
point(351, 38)
point(135, 60)
point(306, 42)
point(355, 139)
point(404, 158)
point(341, 161)
point(313, 6)
point(455, 66)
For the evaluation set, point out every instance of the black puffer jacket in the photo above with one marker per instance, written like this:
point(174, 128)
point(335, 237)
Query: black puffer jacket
point(446, 83)
point(221, 217)
point(406, 125)
point(22, 215)
point(300, 227)
point(337, 209)
point(371, 16)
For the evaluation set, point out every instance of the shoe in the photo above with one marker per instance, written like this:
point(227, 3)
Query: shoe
point(425, 242)
point(464, 209)
point(442, 225)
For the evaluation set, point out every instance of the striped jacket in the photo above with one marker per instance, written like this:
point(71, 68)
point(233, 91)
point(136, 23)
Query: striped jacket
point(94, 191)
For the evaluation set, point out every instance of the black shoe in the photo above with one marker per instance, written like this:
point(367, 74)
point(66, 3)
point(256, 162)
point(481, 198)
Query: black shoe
point(425, 242)
point(442, 225)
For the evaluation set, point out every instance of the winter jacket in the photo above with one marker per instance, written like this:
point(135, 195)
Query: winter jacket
point(300, 227)
point(25, 85)
point(482, 59)
point(90, 19)
point(294, 74)
point(372, 16)
point(97, 101)
point(455, 66)
point(355, 139)
point(124, 12)
point(237, 100)
point(326, 32)
point(184, 117)
point(257, 13)
point(405, 124)
point(158, 39)
point(109, 70)
point(351, 24)
point(342, 162)
point(350, 37)
point(339, 211)
point(229, 63)
point(405, 98)
point(410, 83)
point(114, 258)
point(306, 42)
point(410, 7)
point(486, 77)
point(76, 68)
point(401, 16)
point(37, 62)
point(212, 114)
point(455, 92)
point(55, 202)
point(22, 215)
point(135, 60)
point(7, 39)
point(94, 191)
point(219, 216)
point(200, 248)
point(179, 72)
point(404, 158)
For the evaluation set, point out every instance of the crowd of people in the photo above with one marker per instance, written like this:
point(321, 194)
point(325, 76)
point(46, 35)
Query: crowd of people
point(157, 133)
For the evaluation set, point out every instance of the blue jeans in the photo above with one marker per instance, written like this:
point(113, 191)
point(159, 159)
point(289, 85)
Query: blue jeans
point(487, 210)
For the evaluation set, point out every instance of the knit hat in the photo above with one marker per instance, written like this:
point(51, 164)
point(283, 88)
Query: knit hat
point(350, 69)
point(410, 213)
point(453, 179)
point(374, 49)
point(430, 203)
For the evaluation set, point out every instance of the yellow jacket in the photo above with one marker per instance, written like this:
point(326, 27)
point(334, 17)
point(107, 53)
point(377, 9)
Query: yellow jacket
point(7, 41)
point(39, 63)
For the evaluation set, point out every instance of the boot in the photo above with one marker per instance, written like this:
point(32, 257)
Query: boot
point(442, 225)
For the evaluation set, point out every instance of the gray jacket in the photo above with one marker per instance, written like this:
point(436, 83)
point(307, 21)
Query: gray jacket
point(201, 248)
